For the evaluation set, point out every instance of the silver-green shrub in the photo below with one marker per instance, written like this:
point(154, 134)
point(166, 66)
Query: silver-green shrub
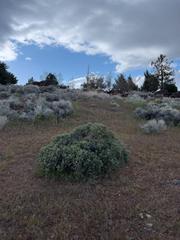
point(88, 152)
point(31, 89)
point(27, 103)
point(3, 121)
point(154, 126)
point(159, 111)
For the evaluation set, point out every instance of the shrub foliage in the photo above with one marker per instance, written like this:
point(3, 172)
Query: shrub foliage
point(154, 126)
point(86, 153)
point(159, 111)
point(3, 121)
point(28, 103)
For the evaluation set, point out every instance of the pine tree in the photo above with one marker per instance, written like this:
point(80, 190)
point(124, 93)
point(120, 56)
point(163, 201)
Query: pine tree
point(163, 71)
point(5, 76)
point(51, 80)
point(30, 81)
point(151, 82)
point(94, 82)
point(131, 85)
point(121, 85)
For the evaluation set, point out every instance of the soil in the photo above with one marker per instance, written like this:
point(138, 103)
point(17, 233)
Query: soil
point(138, 202)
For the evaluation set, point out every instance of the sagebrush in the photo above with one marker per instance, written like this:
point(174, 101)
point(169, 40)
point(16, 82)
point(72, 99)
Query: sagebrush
point(86, 153)
point(154, 126)
point(3, 121)
point(29, 102)
point(156, 111)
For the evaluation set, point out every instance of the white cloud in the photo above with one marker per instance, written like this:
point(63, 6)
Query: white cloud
point(76, 82)
point(139, 80)
point(28, 58)
point(8, 51)
point(131, 33)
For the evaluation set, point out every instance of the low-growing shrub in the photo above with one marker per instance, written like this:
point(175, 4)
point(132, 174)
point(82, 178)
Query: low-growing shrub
point(154, 126)
point(114, 104)
point(148, 112)
point(49, 89)
point(4, 95)
point(62, 108)
point(3, 88)
point(135, 99)
point(170, 115)
point(30, 106)
point(3, 121)
point(86, 153)
point(16, 89)
point(50, 97)
point(4, 108)
point(159, 111)
point(29, 89)
point(16, 105)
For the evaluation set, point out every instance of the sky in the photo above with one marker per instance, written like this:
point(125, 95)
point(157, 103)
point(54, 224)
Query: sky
point(67, 36)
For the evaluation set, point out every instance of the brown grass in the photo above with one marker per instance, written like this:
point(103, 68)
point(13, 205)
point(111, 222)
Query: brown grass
point(32, 207)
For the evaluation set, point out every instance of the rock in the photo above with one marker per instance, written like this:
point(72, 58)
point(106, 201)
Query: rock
point(141, 215)
point(149, 225)
point(148, 216)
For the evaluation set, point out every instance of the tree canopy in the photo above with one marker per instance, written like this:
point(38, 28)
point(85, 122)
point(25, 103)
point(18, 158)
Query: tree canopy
point(94, 82)
point(151, 82)
point(121, 84)
point(163, 71)
point(6, 77)
point(51, 80)
point(131, 85)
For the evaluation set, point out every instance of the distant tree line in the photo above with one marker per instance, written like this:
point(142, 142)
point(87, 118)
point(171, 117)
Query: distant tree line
point(123, 84)
point(162, 78)
point(49, 80)
point(99, 82)
point(7, 78)
point(95, 82)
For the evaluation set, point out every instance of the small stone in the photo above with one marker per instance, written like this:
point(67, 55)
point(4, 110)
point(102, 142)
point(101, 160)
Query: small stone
point(148, 216)
point(141, 215)
point(149, 225)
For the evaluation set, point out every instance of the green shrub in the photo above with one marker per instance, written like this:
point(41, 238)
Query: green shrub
point(86, 153)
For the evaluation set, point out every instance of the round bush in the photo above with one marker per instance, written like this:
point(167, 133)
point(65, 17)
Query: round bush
point(86, 153)
point(154, 126)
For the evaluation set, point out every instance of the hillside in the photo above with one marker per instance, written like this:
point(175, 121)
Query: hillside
point(139, 201)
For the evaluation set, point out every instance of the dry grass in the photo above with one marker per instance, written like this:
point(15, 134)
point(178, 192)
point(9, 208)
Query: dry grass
point(32, 207)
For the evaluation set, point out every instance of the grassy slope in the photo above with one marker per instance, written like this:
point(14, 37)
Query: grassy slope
point(36, 208)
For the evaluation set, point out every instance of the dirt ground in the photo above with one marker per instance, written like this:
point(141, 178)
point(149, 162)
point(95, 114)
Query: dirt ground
point(139, 202)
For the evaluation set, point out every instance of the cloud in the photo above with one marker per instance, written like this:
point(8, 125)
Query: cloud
point(139, 80)
point(28, 58)
point(130, 33)
point(8, 51)
point(77, 82)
